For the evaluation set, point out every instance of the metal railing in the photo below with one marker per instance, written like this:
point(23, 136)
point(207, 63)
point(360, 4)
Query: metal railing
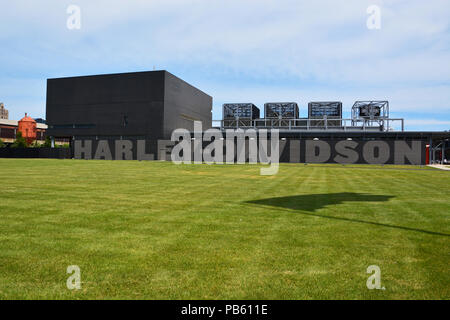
point(325, 124)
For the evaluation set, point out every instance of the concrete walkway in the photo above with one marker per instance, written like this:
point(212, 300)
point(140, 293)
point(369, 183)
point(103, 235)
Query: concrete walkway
point(439, 166)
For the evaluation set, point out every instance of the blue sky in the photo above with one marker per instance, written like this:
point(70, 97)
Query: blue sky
point(239, 51)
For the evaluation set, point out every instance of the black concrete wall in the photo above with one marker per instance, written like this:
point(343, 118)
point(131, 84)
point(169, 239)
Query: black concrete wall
point(290, 151)
point(55, 153)
point(184, 104)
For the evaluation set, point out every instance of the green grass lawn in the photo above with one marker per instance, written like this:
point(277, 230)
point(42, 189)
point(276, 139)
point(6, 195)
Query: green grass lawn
point(154, 230)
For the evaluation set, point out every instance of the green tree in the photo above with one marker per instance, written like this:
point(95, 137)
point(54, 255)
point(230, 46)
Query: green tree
point(35, 144)
point(2, 144)
point(20, 141)
point(47, 143)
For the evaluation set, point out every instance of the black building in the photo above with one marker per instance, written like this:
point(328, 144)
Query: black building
point(40, 120)
point(138, 105)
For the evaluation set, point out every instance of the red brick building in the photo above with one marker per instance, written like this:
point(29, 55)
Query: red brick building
point(9, 128)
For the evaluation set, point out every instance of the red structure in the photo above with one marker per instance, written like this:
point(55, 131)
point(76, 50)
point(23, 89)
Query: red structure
point(27, 126)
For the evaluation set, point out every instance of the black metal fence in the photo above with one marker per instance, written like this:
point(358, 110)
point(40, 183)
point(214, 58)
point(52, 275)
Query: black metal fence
point(49, 153)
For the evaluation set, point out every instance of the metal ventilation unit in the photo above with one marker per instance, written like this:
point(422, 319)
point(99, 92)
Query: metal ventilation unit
point(371, 113)
point(281, 110)
point(239, 114)
point(325, 110)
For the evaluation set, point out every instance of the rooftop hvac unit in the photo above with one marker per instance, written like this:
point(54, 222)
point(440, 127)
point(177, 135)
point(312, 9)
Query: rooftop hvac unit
point(329, 109)
point(325, 110)
point(370, 110)
point(239, 114)
point(281, 110)
point(240, 111)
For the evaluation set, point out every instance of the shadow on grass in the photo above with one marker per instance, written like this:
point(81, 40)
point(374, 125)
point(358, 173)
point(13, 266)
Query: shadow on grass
point(307, 205)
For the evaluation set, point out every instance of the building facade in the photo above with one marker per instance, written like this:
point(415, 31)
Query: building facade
point(4, 114)
point(133, 115)
point(9, 129)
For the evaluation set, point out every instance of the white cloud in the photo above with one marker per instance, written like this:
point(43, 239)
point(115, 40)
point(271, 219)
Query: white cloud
point(325, 40)
point(300, 50)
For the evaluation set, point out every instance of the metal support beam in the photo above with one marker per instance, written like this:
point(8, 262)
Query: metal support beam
point(430, 151)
